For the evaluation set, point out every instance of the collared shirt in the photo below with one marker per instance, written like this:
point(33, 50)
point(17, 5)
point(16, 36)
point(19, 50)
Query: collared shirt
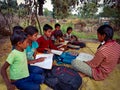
point(45, 42)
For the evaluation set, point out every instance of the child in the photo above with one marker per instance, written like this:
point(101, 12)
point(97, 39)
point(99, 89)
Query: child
point(17, 61)
point(15, 29)
point(105, 59)
point(74, 43)
point(68, 34)
point(57, 29)
point(32, 33)
point(58, 37)
point(45, 42)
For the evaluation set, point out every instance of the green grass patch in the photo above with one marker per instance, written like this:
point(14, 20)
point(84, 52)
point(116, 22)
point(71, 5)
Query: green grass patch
point(116, 35)
point(85, 35)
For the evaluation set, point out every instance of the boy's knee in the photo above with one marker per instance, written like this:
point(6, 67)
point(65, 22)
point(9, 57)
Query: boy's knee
point(38, 78)
point(74, 62)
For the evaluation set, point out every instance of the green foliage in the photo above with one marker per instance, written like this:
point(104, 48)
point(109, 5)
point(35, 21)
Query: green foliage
point(88, 10)
point(113, 14)
point(46, 12)
point(21, 10)
point(62, 8)
point(108, 12)
point(9, 4)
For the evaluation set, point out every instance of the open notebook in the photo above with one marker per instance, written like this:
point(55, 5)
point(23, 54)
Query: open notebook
point(47, 63)
point(57, 52)
point(84, 57)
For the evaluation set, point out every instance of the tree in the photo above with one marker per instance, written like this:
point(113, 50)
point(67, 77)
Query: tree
point(112, 10)
point(41, 2)
point(62, 8)
point(8, 8)
point(47, 12)
point(88, 10)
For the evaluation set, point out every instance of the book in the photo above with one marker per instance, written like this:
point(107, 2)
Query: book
point(62, 44)
point(57, 52)
point(47, 63)
point(84, 57)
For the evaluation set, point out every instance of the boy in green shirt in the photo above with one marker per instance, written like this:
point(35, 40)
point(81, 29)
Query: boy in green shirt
point(17, 61)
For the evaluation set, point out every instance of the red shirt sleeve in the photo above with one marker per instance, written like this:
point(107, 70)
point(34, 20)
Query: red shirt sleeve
point(40, 49)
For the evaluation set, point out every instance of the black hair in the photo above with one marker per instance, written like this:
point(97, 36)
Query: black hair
point(107, 30)
point(19, 36)
point(30, 30)
point(57, 24)
point(17, 28)
point(69, 28)
point(46, 27)
point(58, 33)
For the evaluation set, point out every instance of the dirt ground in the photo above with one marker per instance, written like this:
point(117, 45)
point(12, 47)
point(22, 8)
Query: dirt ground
point(5, 48)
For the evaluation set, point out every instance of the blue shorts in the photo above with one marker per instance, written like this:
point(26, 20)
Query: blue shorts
point(35, 69)
point(30, 83)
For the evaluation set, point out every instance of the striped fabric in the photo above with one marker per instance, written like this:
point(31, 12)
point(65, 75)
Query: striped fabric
point(105, 60)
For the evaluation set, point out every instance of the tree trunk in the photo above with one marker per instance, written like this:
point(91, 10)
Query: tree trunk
point(40, 9)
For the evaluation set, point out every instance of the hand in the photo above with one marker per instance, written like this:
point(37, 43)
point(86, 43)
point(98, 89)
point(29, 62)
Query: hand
point(48, 50)
point(81, 74)
point(74, 53)
point(41, 59)
point(61, 49)
point(11, 87)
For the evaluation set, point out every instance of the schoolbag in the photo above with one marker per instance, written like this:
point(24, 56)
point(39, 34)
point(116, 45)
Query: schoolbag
point(65, 57)
point(62, 78)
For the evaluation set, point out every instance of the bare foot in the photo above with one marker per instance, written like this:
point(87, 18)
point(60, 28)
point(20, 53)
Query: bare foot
point(81, 74)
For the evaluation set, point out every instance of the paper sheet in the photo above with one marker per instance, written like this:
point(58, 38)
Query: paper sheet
point(84, 57)
point(47, 63)
point(57, 52)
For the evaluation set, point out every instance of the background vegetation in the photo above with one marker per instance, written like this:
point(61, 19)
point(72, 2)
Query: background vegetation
point(32, 13)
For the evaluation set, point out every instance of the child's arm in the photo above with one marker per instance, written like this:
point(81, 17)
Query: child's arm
point(5, 76)
point(36, 60)
point(35, 53)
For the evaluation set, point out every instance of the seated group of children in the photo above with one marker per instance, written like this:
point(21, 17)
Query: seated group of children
point(26, 45)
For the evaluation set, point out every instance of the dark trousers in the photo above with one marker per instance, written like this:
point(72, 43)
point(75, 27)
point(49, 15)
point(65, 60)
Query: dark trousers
point(30, 83)
point(35, 69)
point(33, 81)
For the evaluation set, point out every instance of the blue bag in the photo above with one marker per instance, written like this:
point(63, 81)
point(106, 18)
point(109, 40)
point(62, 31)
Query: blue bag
point(65, 57)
